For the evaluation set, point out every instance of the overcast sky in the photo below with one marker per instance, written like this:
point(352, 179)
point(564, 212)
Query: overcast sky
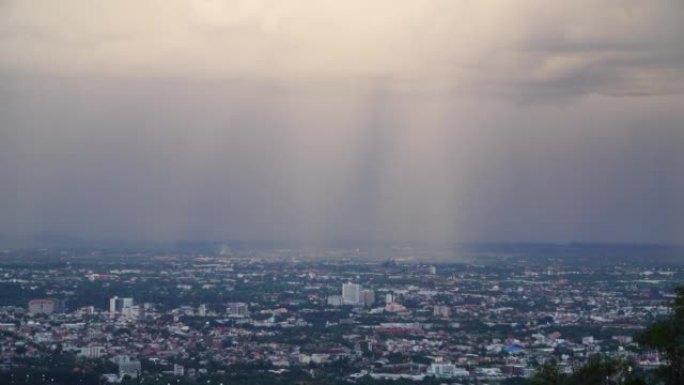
point(417, 120)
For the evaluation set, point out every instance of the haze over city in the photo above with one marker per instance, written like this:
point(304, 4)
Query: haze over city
point(342, 192)
point(404, 120)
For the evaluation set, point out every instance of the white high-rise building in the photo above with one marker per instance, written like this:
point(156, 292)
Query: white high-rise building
point(117, 305)
point(351, 293)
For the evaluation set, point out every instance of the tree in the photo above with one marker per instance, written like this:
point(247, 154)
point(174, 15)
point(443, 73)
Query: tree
point(667, 336)
point(635, 381)
point(599, 371)
point(548, 374)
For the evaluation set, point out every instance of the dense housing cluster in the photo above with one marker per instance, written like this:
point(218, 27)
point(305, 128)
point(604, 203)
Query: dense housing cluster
point(344, 315)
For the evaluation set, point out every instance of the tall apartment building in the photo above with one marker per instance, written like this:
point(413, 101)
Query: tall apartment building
point(351, 293)
point(45, 306)
point(117, 305)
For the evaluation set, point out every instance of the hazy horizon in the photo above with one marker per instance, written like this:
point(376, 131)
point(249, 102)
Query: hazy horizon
point(444, 121)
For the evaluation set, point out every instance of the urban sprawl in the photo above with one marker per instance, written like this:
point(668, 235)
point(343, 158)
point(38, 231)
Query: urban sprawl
point(179, 318)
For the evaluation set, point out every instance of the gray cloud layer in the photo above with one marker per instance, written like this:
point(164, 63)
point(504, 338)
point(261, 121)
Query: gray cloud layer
point(406, 120)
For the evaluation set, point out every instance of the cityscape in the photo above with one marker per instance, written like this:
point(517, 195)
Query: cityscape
point(341, 192)
point(345, 315)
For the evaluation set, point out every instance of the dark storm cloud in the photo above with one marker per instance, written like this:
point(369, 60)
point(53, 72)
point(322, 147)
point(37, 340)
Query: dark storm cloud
point(318, 120)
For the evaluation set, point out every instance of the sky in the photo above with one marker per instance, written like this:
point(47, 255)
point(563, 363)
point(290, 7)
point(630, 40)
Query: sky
point(388, 120)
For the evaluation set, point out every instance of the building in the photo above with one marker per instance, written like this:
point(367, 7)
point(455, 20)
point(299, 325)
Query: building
point(202, 310)
point(178, 370)
point(128, 366)
point(237, 309)
point(117, 305)
point(132, 312)
point(316, 358)
point(92, 351)
point(45, 306)
point(367, 298)
point(395, 307)
point(389, 298)
point(446, 370)
point(335, 300)
point(351, 293)
point(441, 311)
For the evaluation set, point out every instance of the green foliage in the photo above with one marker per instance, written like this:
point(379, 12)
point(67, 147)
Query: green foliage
point(548, 374)
point(667, 336)
point(635, 381)
point(599, 371)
